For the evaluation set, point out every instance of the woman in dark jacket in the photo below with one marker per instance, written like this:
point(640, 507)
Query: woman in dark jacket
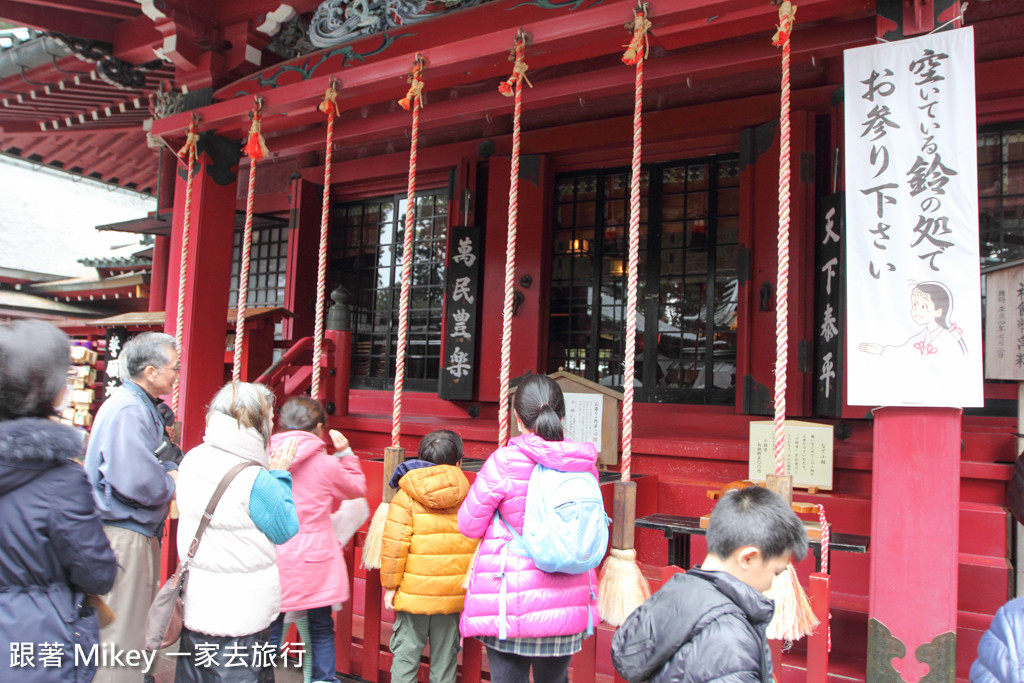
point(1001, 648)
point(52, 547)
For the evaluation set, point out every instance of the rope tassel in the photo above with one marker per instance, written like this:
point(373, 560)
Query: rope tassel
point(414, 97)
point(787, 17)
point(639, 47)
point(256, 147)
point(793, 617)
point(509, 86)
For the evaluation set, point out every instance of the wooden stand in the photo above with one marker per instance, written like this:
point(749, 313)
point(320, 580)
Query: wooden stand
point(623, 515)
point(393, 457)
point(783, 485)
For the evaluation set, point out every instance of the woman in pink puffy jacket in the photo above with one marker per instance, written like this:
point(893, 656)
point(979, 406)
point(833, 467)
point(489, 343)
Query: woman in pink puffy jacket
point(314, 577)
point(545, 616)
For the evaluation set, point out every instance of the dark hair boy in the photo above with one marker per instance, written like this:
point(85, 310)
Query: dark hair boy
point(709, 623)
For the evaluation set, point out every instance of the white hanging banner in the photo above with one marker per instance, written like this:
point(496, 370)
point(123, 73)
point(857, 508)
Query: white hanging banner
point(912, 265)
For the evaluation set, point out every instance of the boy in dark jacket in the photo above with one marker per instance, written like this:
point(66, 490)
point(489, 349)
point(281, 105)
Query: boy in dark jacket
point(709, 623)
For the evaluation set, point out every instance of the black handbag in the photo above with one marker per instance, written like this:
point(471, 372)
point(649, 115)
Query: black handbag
point(166, 614)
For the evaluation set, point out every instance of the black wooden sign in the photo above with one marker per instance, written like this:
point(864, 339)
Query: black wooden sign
point(116, 338)
point(829, 307)
point(462, 285)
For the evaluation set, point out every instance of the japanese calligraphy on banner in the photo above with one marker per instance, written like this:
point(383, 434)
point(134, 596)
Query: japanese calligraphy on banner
point(912, 268)
point(1004, 324)
point(828, 308)
point(116, 338)
point(461, 301)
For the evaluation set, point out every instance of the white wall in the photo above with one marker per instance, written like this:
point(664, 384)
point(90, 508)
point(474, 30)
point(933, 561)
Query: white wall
point(48, 220)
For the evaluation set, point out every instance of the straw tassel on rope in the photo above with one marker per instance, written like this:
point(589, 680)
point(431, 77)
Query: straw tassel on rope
point(793, 617)
point(511, 85)
point(622, 587)
point(639, 47)
point(414, 97)
point(395, 454)
point(516, 83)
point(256, 150)
point(187, 151)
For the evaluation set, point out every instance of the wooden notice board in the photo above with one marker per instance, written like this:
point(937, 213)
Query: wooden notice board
point(808, 452)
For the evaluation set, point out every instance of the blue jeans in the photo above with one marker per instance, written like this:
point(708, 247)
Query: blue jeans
point(321, 633)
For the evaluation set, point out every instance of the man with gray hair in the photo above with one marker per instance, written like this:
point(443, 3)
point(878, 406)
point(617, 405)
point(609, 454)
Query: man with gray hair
point(133, 487)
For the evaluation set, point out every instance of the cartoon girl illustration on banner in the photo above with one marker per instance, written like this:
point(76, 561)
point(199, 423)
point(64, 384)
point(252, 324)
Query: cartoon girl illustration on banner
point(931, 306)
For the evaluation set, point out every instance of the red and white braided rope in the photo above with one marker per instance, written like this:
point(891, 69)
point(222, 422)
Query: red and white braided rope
point(631, 273)
point(826, 534)
point(243, 276)
point(179, 324)
point(782, 290)
point(321, 268)
point(403, 301)
point(510, 258)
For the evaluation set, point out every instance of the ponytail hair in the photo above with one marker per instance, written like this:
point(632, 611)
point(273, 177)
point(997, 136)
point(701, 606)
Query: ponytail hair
point(540, 406)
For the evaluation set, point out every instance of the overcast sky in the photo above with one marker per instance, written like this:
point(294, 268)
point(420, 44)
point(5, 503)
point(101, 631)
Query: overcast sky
point(48, 221)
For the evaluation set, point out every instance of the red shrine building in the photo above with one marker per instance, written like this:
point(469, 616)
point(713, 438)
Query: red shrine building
point(924, 548)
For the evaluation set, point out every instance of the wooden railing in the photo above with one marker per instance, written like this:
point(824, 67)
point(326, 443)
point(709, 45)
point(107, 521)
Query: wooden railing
point(362, 628)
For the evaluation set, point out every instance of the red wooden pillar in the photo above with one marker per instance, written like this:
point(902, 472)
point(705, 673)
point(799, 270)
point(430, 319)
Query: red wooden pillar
point(257, 347)
point(915, 527)
point(528, 325)
point(162, 243)
point(207, 278)
point(306, 203)
point(759, 183)
point(158, 276)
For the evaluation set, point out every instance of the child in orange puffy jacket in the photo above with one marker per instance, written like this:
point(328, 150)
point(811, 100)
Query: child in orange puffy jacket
point(424, 558)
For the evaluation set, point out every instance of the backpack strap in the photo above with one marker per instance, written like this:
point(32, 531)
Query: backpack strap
point(502, 577)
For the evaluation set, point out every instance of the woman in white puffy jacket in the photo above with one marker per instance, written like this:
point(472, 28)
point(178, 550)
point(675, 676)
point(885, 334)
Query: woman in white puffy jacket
point(233, 592)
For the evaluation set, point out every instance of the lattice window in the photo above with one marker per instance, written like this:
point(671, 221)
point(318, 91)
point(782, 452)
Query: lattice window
point(1001, 194)
point(366, 258)
point(687, 290)
point(268, 259)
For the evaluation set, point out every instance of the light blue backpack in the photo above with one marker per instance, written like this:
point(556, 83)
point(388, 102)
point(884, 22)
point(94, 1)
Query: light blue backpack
point(565, 528)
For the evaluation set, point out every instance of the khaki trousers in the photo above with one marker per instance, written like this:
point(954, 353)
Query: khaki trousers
point(138, 574)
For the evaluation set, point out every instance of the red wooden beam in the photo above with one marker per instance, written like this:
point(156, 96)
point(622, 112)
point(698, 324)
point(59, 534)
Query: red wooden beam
point(66, 20)
point(135, 39)
point(455, 58)
point(615, 81)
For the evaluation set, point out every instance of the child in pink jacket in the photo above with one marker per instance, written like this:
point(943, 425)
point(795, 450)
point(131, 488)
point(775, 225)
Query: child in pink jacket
point(546, 616)
point(312, 568)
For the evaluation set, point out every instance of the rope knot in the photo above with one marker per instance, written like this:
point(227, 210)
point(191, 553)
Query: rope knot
point(414, 97)
point(190, 139)
point(507, 87)
point(639, 47)
point(256, 147)
point(329, 105)
point(787, 16)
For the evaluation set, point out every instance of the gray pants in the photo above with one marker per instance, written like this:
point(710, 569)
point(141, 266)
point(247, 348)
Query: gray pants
point(138, 573)
point(411, 634)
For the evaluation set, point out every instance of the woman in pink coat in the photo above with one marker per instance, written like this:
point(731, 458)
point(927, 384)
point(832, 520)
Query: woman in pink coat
point(545, 616)
point(311, 564)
